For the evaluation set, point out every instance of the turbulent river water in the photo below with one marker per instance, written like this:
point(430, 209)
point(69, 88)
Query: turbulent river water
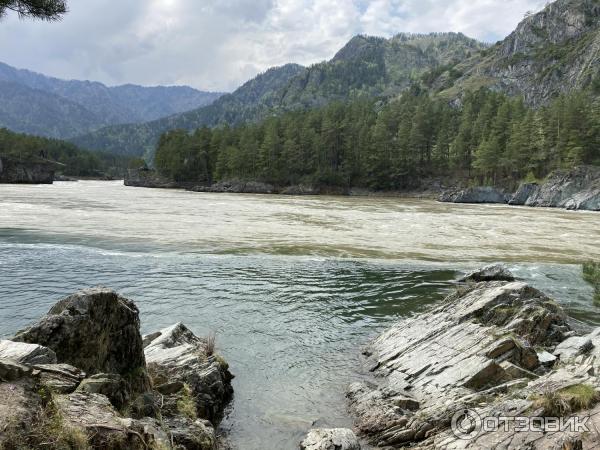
point(293, 286)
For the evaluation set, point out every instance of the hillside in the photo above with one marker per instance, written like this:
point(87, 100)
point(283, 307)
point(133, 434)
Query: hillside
point(554, 51)
point(37, 104)
point(256, 99)
point(365, 66)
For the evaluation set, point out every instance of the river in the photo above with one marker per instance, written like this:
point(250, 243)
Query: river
point(292, 286)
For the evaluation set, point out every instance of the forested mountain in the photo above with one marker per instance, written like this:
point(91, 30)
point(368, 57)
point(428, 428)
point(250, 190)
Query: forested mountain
point(554, 51)
point(75, 161)
point(490, 139)
point(37, 104)
point(256, 99)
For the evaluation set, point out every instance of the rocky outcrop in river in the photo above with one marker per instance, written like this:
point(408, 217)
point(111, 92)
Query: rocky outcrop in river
point(491, 349)
point(83, 377)
point(26, 172)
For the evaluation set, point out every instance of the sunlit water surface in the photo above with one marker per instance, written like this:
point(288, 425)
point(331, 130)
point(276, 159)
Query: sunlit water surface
point(293, 286)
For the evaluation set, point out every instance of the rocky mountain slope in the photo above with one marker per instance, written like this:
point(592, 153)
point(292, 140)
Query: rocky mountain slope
point(554, 51)
point(37, 104)
point(365, 66)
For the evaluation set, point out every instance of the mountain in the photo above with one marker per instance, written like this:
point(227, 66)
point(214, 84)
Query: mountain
point(256, 99)
point(365, 66)
point(554, 51)
point(37, 104)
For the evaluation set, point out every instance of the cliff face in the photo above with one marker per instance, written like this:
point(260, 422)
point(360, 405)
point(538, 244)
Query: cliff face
point(554, 51)
point(25, 172)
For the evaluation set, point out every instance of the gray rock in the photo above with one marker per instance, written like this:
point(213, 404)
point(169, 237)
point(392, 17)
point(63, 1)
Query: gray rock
point(19, 404)
point(191, 434)
point(300, 189)
point(496, 272)
point(112, 385)
point(26, 353)
point(482, 194)
point(476, 345)
point(148, 178)
point(239, 187)
point(176, 354)
point(11, 370)
point(330, 439)
point(60, 378)
point(525, 191)
point(95, 417)
point(576, 189)
point(97, 331)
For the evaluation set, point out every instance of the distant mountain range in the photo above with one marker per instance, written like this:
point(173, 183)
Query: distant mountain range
point(36, 104)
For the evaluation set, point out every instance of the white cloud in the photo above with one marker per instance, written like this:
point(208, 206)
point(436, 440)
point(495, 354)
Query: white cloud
point(218, 44)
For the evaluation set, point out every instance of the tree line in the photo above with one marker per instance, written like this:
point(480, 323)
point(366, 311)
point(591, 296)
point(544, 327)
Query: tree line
point(77, 162)
point(487, 138)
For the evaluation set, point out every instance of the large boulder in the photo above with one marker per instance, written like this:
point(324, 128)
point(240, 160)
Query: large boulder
point(481, 194)
point(330, 439)
point(478, 349)
point(97, 331)
point(175, 354)
point(26, 353)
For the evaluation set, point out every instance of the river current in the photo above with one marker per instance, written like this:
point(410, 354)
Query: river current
point(292, 286)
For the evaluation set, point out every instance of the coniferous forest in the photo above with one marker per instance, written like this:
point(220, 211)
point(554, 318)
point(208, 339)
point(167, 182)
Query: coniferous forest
point(486, 138)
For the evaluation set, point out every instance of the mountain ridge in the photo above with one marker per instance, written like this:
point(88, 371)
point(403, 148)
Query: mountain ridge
point(101, 105)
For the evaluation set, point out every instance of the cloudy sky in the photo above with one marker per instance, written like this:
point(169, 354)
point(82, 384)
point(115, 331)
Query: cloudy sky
point(219, 44)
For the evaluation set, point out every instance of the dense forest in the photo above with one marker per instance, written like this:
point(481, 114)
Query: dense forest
point(488, 138)
point(76, 162)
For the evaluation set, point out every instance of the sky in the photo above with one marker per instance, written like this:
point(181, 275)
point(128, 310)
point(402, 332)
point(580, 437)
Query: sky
point(219, 44)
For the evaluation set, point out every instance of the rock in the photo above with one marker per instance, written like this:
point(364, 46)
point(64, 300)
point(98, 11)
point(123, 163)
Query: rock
point(574, 346)
point(148, 404)
point(97, 331)
point(175, 354)
point(546, 359)
point(475, 348)
point(300, 189)
point(525, 191)
point(149, 178)
point(495, 272)
point(330, 439)
point(575, 189)
point(27, 172)
point(11, 370)
point(26, 353)
point(112, 385)
point(94, 417)
point(236, 186)
point(191, 434)
point(170, 388)
point(60, 378)
point(482, 194)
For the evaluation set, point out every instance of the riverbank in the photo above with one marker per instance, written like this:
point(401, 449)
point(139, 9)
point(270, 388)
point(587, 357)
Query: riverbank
point(84, 377)
point(578, 189)
point(496, 348)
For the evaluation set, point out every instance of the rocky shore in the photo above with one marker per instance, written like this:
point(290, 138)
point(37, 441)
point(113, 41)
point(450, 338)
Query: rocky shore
point(83, 377)
point(495, 348)
point(577, 189)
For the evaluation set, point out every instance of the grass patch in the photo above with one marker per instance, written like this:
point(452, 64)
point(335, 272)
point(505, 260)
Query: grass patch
point(591, 274)
point(186, 404)
point(566, 401)
point(211, 343)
